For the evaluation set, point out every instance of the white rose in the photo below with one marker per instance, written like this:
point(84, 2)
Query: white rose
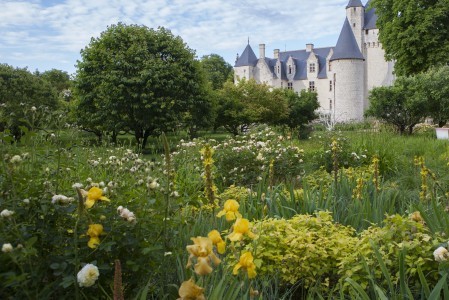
point(88, 275)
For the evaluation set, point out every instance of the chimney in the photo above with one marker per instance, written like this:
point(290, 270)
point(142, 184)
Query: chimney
point(309, 47)
point(276, 54)
point(261, 50)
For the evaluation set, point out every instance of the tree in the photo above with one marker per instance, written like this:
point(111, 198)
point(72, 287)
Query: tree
point(23, 96)
point(433, 87)
point(301, 109)
point(217, 70)
point(136, 79)
point(414, 33)
point(400, 105)
point(248, 102)
point(60, 81)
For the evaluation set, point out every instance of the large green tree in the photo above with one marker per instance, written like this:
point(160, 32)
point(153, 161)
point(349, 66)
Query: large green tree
point(23, 98)
point(414, 33)
point(60, 81)
point(433, 87)
point(400, 105)
point(217, 70)
point(248, 102)
point(301, 110)
point(136, 79)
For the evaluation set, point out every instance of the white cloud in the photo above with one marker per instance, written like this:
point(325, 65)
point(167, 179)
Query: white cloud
point(58, 31)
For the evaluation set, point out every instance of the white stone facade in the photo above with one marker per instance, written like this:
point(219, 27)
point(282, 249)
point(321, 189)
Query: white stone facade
point(342, 75)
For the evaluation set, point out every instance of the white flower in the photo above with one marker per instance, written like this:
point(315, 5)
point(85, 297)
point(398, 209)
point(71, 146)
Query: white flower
point(26, 201)
point(61, 199)
point(15, 159)
point(153, 185)
point(6, 248)
point(33, 108)
point(6, 213)
point(167, 253)
point(126, 214)
point(441, 254)
point(88, 275)
point(77, 185)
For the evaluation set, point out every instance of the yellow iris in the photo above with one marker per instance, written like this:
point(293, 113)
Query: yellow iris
point(241, 227)
point(94, 231)
point(216, 239)
point(190, 291)
point(202, 250)
point(94, 194)
point(246, 262)
point(231, 210)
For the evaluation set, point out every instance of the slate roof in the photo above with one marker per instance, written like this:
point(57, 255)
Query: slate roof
point(370, 17)
point(248, 58)
point(346, 47)
point(354, 3)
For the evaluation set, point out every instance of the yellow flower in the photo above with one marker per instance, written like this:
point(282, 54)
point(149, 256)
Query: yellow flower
point(246, 262)
point(94, 231)
point(94, 194)
point(416, 216)
point(190, 291)
point(202, 250)
point(241, 227)
point(231, 210)
point(216, 239)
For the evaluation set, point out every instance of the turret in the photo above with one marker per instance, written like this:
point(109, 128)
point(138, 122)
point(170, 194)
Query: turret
point(355, 13)
point(244, 66)
point(349, 75)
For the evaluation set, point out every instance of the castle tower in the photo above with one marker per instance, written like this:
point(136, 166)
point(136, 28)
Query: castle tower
point(355, 13)
point(245, 64)
point(378, 71)
point(348, 71)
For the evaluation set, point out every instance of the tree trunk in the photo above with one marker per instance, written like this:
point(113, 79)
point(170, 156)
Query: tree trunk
point(146, 135)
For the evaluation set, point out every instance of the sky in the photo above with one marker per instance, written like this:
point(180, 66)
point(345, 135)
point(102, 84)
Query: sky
point(49, 34)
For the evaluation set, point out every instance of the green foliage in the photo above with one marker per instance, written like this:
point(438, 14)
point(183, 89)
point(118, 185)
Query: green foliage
point(433, 88)
point(398, 235)
point(304, 248)
point(301, 110)
point(22, 96)
point(60, 82)
point(413, 33)
point(136, 79)
point(399, 105)
point(217, 70)
point(248, 102)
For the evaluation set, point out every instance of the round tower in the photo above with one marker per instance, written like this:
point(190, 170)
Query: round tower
point(348, 70)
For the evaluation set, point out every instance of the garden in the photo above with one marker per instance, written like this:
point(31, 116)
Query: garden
point(346, 214)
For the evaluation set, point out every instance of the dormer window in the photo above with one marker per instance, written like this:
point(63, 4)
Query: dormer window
point(289, 69)
point(290, 85)
point(279, 69)
point(312, 68)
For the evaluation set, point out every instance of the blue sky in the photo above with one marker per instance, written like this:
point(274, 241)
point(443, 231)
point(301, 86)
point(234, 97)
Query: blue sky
point(46, 34)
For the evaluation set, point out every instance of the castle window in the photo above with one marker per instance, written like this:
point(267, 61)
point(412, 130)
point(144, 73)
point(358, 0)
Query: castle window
point(366, 31)
point(290, 85)
point(330, 104)
point(311, 86)
point(330, 66)
point(289, 69)
point(312, 68)
point(353, 24)
point(330, 86)
point(279, 69)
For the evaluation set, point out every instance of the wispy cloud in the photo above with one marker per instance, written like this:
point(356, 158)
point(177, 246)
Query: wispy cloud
point(50, 33)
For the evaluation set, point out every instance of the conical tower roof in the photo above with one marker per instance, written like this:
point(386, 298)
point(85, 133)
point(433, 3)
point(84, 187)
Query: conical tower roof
point(354, 3)
point(346, 47)
point(248, 58)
